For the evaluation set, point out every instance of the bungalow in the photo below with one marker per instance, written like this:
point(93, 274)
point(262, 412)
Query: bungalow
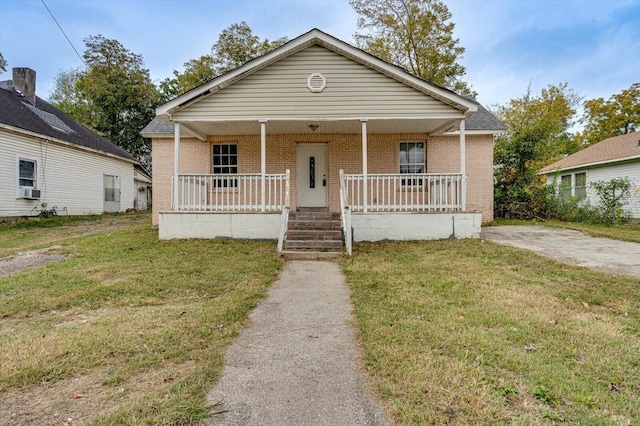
point(47, 159)
point(316, 126)
point(616, 157)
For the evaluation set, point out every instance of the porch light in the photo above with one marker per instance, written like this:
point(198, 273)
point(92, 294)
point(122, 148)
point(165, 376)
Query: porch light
point(314, 127)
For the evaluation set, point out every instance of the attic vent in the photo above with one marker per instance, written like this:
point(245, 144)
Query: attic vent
point(53, 121)
point(316, 82)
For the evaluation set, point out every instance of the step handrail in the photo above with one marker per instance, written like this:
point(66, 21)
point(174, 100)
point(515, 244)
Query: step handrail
point(284, 223)
point(345, 214)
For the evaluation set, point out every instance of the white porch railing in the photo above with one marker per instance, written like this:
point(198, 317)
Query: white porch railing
point(403, 192)
point(232, 192)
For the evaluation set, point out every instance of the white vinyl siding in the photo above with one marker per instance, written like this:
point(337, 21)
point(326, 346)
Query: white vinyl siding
point(629, 170)
point(67, 176)
point(352, 90)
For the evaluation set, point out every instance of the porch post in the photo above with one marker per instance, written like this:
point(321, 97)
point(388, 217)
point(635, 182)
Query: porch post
point(364, 165)
point(263, 162)
point(176, 166)
point(463, 165)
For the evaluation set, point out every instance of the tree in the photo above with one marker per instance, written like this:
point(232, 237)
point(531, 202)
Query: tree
point(413, 34)
point(235, 46)
point(66, 97)
point(618, 115)
point(3, 64)
point(114, 96)
point(537, 134)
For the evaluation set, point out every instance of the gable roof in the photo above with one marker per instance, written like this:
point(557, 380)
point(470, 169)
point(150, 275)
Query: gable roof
point(315, 36)
point(479, 120)
point(611, 150)
point(43, 119)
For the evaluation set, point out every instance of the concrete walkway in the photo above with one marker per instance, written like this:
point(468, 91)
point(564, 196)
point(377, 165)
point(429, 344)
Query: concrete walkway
point(570, 246)
point(296, 364)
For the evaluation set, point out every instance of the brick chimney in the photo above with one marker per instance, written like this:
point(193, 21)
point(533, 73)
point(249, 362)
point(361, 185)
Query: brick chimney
point(24, 79)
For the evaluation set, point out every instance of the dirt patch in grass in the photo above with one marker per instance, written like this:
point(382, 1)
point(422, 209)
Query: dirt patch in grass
point(73, 401)
point(24, 261)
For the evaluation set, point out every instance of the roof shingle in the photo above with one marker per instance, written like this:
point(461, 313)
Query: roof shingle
point(44, 119)
point(613, 149)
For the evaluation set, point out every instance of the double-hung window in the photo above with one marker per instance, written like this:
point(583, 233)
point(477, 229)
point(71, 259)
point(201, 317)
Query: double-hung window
point(225, 163)
point(411, 161)
point(573, 185)
point(565, 187)
point(580, 186)
point(27, 173)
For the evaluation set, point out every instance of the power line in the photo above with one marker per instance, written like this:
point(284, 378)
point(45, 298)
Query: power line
point(65, 34)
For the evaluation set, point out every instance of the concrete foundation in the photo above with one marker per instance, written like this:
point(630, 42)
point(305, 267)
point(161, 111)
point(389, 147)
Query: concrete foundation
point(415, 226)
point(256, 226)
point(366, 227)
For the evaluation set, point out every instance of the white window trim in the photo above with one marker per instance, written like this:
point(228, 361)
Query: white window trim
point(573, 188)
point(226, 180)
point(415, 182)
point(35, 178)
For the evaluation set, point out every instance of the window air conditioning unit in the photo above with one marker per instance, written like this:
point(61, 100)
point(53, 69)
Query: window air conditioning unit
point(30, 193)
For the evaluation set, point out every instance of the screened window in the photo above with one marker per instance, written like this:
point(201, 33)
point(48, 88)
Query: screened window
point(412, 161)
point(580, 186)
point(225, 162)
point(27, 173)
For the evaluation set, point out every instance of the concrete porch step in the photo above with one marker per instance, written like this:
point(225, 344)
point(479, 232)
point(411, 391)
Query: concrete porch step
point(314, 216)
point(313, 225)
point(313, 245)
point(311, 255)
point(314, 234)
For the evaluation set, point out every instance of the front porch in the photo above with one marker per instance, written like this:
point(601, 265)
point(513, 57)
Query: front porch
point(375, 207)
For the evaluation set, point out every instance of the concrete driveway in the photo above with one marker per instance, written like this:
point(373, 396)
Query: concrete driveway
point(570, 246)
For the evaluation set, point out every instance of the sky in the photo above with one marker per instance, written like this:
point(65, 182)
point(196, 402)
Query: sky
point(593, 45)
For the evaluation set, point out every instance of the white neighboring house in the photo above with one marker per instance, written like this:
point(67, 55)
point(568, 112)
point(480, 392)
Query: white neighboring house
point(141, 188)
point(48, 160)
point(616, 157)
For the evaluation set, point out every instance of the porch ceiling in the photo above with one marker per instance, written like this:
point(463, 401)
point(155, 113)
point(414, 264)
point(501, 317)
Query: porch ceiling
point(392, 125)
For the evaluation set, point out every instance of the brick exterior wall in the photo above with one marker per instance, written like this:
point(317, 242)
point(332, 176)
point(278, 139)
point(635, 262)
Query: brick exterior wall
point(344, 152)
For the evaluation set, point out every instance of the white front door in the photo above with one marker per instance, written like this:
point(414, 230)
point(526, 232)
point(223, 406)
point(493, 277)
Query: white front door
point(312, 175)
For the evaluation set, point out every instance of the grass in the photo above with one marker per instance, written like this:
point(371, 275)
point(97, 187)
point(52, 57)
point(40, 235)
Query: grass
point(622, 232)
point(147, 320)
point(34, 232)
point(471, 332)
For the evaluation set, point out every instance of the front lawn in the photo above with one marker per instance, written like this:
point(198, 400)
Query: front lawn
point(471, 332)
point(127, 330)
